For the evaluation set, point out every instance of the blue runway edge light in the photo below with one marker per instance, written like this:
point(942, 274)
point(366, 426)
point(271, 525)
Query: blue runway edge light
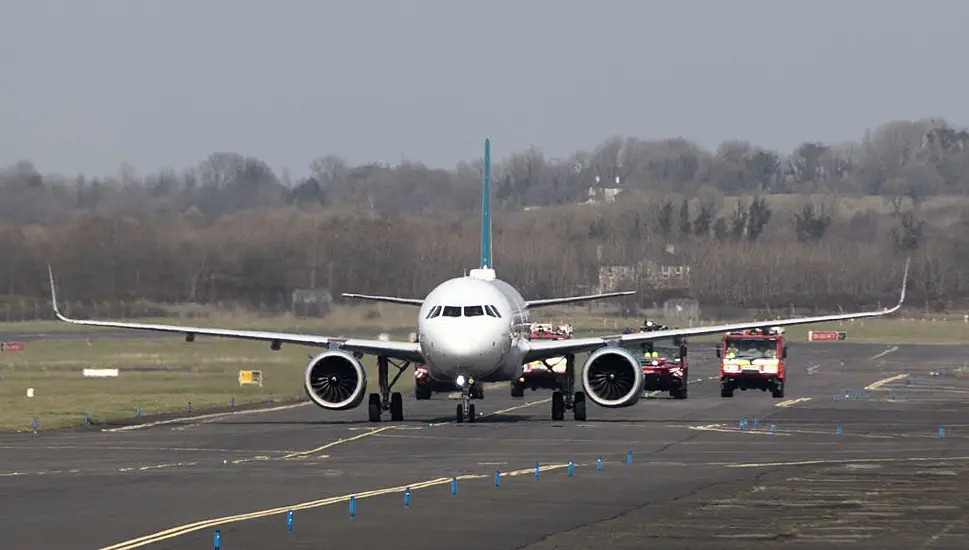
point(497, 478)
point(353, 506)
point(407, 496)
point(217, 539)
point(537, 469)
point(289, 520)
point(454, 485)
point(571, 468)
point(599, 464)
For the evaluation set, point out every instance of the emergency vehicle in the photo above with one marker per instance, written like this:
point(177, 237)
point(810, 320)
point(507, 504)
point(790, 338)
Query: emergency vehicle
point(753, 359)
point(548, 374)
point(664, 363)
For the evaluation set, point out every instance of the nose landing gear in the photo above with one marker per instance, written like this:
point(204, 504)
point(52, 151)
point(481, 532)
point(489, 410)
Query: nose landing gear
point(469, 391)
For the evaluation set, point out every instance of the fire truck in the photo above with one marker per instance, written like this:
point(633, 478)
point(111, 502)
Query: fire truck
point(663, 362)
point(753, 359)
point(548, 374)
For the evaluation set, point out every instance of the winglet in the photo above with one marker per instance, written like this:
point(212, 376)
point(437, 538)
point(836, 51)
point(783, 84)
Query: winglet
point(53, 295)
point(901, 299)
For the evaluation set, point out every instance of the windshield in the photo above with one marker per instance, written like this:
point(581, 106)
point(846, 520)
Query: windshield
point(662, 348)
point(751, 348)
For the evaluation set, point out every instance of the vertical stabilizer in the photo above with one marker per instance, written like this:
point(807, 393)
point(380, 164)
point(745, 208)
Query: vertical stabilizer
point(486, 260)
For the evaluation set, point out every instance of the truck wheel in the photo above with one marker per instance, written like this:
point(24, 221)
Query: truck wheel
point(726, 390)
point(679, 393)
point(778, 391)
point(517, 391)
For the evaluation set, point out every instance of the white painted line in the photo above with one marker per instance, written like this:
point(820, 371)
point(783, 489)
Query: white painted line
point(202, 417)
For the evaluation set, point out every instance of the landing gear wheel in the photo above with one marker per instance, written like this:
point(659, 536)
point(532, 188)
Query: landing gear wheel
point(396, 407)
point(373, 407)
point(679, 393)
point(460, 414)
point(422, 393)
point(558, 406)
point(726, 391)
point(778, 391)
point(578, 406)
point(471, 413)
point(517, 391)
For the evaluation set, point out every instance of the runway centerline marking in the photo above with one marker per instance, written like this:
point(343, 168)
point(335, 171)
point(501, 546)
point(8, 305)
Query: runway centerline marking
point(337, 442)
point(883, 381)
point(192, 527)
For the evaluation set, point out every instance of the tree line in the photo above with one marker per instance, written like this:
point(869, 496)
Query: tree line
point(825, 227)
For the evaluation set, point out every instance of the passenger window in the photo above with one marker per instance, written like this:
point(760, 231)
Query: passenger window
point(452, 311)
point(473, 311)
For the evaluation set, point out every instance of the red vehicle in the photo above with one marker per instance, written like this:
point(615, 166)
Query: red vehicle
point(664, 363)
point(548, 374)
point(753, 359)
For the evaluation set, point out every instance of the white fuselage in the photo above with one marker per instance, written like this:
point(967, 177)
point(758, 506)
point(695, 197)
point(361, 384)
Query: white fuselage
point(473, 327)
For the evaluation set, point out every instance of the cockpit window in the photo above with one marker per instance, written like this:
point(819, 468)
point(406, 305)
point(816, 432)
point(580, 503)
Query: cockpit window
point(493, 311)
point(435, 311)
point(473, 311)
point(452, 311)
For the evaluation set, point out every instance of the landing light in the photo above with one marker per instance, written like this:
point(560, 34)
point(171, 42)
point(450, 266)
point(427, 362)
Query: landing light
point(460, 381)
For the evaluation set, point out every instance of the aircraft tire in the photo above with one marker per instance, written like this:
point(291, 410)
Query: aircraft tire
point(459, 417)
point(558, 406)
point(578, 406)
point(373, 407)
point(396, 407)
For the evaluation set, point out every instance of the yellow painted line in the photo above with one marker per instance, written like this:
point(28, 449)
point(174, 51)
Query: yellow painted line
point(884, 353)
point(883, 381)
point(719, 428)
point(509, 409)
point(848, 461)
point(192, 527)
point(790, 402)
point(338, 442)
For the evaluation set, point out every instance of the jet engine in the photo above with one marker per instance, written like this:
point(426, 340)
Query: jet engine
point(335, 380)
point(613, 378)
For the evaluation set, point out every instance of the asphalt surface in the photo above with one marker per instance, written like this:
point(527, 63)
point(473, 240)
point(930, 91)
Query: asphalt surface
point(696, 480)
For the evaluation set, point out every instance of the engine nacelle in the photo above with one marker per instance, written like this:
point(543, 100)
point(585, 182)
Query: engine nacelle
point(613, 378)
point(335, 380)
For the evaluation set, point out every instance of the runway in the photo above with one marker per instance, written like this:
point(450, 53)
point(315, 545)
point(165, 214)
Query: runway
point(697, 479)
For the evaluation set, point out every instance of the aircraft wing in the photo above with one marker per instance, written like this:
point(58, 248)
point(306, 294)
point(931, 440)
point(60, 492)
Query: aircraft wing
point(387, 299)
point(575, 299)
point(542, 349)
point(398, 350)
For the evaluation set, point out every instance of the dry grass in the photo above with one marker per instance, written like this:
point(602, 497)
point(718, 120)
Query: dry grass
point(157, 375)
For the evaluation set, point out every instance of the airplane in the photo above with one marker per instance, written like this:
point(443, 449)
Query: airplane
point(472, 330)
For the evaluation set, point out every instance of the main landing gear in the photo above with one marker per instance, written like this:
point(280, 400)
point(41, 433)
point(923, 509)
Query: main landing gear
point(385, 400)
point(566, 398)
point(469, 391)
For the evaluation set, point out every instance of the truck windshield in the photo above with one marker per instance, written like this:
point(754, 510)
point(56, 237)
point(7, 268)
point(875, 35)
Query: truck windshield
point(751, 348)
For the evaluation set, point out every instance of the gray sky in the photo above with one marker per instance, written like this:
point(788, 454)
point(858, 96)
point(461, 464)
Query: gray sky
point(88, 85)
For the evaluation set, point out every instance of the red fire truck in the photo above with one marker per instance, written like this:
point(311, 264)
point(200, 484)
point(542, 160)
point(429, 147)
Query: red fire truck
point(548, 374)
point(753, 359)
point(663, 362)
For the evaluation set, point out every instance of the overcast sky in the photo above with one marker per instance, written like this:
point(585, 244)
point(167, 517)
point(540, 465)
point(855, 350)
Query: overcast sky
point(88, 85)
